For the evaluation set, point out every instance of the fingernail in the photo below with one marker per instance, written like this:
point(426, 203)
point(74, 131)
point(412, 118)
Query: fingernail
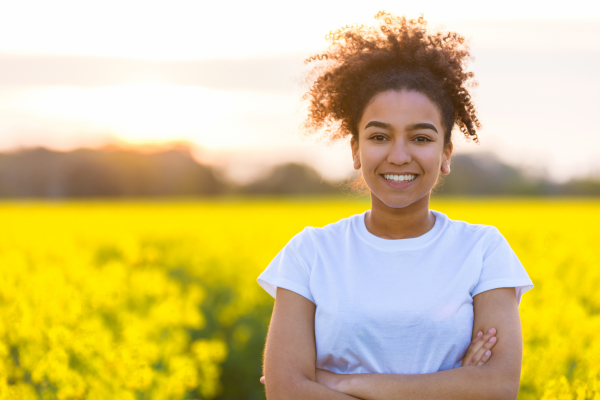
point(492, 339)
point(491, 330)
point(487, 353)
point(479, 333)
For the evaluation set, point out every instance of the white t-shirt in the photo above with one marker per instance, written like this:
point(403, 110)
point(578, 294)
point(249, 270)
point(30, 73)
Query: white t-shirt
point(401, 306)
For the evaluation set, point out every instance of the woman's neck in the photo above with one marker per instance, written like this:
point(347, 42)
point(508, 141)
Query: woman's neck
point(399, 223)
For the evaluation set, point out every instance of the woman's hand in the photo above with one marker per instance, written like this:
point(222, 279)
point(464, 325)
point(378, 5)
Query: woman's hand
point(479, 350)
point(324, 377)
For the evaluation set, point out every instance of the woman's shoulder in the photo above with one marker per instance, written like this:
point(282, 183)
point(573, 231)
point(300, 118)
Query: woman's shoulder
point(470, 230)
point(333, 230)
point(340, 225)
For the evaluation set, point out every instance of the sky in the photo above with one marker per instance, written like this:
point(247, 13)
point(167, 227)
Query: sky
point(226, 77)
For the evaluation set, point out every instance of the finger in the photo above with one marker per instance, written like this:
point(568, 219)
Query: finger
point(476, 338)
point(472, 349)
point(262, 380)
point(487, 346)
point(486, 356)
point(471, 355)
point(481, 338)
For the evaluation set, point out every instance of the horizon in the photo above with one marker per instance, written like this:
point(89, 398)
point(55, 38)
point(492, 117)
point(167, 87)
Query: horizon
point(259, 173)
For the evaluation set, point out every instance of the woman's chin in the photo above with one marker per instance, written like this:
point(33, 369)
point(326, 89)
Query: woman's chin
point(397, 200)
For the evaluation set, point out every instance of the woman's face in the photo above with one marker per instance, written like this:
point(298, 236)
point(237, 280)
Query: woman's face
point(400, 147)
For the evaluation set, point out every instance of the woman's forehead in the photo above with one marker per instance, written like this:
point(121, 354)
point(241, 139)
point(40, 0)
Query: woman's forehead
point(399, 109)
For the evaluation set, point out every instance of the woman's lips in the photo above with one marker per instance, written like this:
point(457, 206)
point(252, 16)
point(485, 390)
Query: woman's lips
point(398, 185)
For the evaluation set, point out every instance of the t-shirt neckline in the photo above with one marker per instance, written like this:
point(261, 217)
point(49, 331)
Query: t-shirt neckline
point(361, 230)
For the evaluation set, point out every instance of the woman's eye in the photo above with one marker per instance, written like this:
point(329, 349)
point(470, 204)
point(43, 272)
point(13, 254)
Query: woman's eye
point(378, 138)
point(422, 139)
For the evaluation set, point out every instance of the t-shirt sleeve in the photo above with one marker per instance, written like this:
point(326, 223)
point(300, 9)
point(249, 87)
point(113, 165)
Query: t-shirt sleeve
point(290, 269)
point(501, 267)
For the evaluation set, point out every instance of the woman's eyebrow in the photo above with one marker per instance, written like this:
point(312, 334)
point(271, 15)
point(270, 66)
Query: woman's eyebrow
point(414, 127)
point(422, 125)
point(378, 124)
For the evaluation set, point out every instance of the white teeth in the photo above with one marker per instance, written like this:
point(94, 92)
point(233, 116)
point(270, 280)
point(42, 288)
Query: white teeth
point(399, 178)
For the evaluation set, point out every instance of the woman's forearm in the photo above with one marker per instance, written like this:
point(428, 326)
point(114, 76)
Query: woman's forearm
point(454, 384)
point(305, 389)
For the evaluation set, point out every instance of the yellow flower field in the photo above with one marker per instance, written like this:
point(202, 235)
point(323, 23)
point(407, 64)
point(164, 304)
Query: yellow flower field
point(159, 300)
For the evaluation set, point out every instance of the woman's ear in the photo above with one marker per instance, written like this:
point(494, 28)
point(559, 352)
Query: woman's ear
point(355, 156)
point(445, 168)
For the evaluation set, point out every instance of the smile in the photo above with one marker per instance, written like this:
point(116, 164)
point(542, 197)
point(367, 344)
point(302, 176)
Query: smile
point(399, 178)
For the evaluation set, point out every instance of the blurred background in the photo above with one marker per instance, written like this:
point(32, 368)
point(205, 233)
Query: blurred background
point(152, 164)
point(222, 83)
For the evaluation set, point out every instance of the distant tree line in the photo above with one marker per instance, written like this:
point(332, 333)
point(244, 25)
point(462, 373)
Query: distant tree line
point(484, 174)
point(111, 172)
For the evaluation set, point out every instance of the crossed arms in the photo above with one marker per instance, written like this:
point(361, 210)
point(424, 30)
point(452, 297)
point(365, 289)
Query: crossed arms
point(290, 358)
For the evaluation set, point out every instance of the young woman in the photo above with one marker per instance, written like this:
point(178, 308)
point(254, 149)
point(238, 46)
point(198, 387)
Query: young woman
point(389, 303)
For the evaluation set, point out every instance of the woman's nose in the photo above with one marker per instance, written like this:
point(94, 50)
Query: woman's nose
point(399, 154)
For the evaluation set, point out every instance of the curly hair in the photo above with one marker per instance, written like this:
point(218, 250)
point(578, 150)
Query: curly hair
point(396, 54)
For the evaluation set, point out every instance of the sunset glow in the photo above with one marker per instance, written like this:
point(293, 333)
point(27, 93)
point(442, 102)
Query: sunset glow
point(144, 112)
